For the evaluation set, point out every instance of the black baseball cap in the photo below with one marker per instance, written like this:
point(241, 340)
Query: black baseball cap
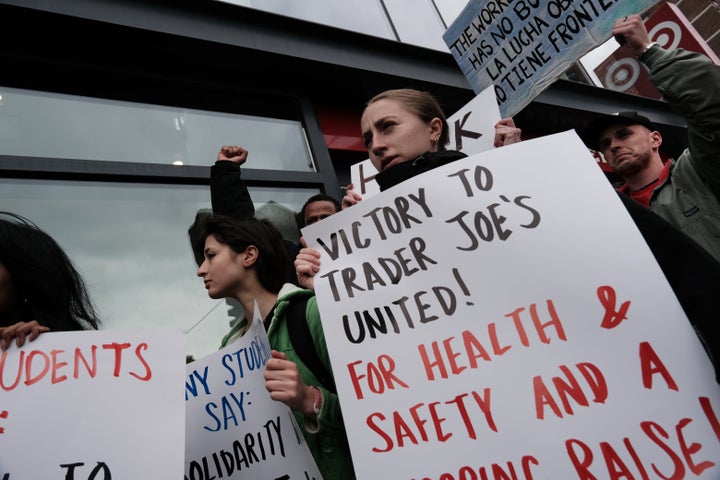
point(591, 134)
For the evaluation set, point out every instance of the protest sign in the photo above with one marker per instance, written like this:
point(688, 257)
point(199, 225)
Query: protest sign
point(486, 320)
point(520, 47)
point(234, 429)
point(93, 405)
point(471, 130)
point(362, 176)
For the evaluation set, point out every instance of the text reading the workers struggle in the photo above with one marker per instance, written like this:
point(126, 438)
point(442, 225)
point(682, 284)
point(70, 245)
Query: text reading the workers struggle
point(512, 41)
point(515, 45)
point(473, 333)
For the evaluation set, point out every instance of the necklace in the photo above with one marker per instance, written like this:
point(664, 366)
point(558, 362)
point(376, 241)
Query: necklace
point(645, 186)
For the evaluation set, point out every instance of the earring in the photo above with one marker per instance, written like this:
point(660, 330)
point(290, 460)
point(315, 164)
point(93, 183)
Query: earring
point(433, 141)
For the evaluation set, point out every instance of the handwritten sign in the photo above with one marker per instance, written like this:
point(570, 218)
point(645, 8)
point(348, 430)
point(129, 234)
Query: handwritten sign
point(93, 405)
point(520, 47)
point(471, 129)
point(486, 320)
point(234, 429)
point(362, 176)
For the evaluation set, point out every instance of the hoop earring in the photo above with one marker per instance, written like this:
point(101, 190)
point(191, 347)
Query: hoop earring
point(434, 142)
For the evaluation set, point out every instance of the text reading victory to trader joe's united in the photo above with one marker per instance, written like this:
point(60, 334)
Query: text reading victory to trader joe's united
point(484, 321)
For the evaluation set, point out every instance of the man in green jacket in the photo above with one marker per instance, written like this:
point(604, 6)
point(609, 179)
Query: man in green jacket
point(685, 191)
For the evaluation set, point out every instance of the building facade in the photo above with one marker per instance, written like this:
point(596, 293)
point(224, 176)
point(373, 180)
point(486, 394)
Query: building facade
point(112, 111)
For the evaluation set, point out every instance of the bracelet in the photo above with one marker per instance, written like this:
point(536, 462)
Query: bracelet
point(317, 403)
point(650, 45)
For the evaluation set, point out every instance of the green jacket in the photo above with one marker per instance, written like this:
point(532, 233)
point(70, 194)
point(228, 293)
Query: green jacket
point(325, 438)
point(689, 198)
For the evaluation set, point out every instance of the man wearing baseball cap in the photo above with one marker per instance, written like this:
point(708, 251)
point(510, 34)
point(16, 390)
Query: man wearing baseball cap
point(685, 191)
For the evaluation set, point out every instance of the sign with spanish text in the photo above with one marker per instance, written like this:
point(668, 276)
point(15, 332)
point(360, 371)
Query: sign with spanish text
point(486, 320)
point(471, 130)
point(234, 429)
point(93, 405)
point(520, 47)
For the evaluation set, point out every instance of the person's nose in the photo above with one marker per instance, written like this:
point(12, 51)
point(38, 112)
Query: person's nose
point(202, 269)
point(378, 145)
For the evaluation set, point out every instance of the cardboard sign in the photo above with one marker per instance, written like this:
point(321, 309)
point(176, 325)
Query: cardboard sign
point(93, 405)
point(472, 130)
point(486, 320)
point(519, 48)
point(234, 429)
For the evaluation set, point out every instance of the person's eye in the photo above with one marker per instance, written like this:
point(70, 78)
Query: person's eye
point(388, 126)
point(624, 133)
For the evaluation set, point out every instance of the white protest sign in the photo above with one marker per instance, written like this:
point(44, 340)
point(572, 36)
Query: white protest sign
point(521, 47)
point(234, 429)
point(488, 320)
point(362, 176)
point(472, 130)
point(93, 405)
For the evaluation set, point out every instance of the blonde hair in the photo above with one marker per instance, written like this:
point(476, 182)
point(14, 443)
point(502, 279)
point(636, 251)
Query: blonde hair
point(423, 104)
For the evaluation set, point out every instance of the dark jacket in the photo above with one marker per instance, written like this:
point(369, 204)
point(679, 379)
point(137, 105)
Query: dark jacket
point(228, 192)
point(690, 197)
point(424, 163)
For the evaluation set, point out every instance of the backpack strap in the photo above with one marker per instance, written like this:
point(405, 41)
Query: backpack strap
point(302, 341)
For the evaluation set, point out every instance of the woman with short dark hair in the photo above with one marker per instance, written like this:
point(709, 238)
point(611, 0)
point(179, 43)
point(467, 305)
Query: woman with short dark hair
point(246, 259)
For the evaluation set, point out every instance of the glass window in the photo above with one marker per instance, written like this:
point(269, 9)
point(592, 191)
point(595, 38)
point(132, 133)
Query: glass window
point(450, 9)
point(423, 28)
point(364, 16)
point(130, 243)
point(39, 124)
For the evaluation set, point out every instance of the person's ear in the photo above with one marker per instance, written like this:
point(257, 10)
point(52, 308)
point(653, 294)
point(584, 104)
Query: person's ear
point(655, 139)
point(435, 127)
point(250, 256)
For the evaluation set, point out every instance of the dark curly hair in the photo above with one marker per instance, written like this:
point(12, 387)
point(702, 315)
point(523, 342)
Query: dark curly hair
point(240, 233)
point(47, 286)
point(320, 197)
